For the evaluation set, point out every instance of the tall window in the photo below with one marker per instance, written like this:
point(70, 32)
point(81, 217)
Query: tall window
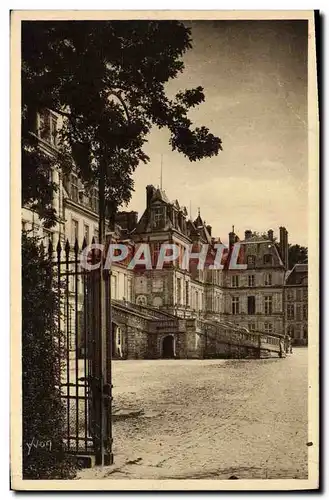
point(235, 281)
point(179, 291)
point(187, 298)
point(75, 230)
point(235, 305)
point(47, 127)
point(268, 279)
point(251, 327)
point(156, 252)
point(305, 332)
point(268, 304)
point(268, 327)
point(298, 294)
point(114, 289)
point(129, 294)
point(305, 311)
point(86, 233)
point(157, 216)
point(251, 304)
point(251, 280)
point(251, 260)
point(290, 295)
point(197, 301)
point(74, 188)
point(290, 311)
point(268, 259)
point(298, 312)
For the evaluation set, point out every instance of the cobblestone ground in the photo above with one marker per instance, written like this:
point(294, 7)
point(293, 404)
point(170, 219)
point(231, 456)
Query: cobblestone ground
point(209, 419)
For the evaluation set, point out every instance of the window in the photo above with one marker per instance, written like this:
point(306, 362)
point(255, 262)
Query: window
point(298, 312)
point(251, 304)
point(299, 295)
point(74, 188)
point(187, 290)
point(290, 311)
point(268, 304)
point(157, 216)
point(305, 293)
point(305, 332)
point(75, 230)
point(268, 327)
point(47, 127)
point(156, 252)
point(235, 305)
point(196, 300)
point(305, 311)
point(179, 291)
point(235, 281)
point(86, 233)
point(129, 294)
point(96, 235)
point(290, 295)
point(251, 260)
point(251, 280)
point(268, 279)
point(114, 286)
point(268, 259)
point(251, 327)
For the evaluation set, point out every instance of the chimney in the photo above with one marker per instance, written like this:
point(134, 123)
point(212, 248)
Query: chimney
point(270, 234)
point(209, 229)
point(284, 246)
point(231, 238)
point(132, 220)
point(150, 190)
point(127, 220)
point(247, 234)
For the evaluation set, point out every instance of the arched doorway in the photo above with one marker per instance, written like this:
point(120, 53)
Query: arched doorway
point(168, 347)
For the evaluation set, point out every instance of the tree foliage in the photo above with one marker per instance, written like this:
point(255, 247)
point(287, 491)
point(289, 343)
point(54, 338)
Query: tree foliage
point(107, 80)
point(42, 409)
point(297, 254)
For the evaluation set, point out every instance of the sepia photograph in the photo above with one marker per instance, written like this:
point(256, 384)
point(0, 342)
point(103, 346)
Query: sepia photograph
point(164, 187)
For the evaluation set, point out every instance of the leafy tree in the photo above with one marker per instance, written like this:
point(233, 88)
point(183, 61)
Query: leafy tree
point(297, 255)
point(107, 80)
point(42, 409)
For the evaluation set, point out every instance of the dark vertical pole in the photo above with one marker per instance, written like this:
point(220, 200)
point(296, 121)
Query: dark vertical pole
point(102, 320)
point(105, 338)
point(109, 330)
point(67, 315)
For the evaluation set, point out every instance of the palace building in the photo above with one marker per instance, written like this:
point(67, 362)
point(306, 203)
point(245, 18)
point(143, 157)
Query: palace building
point(176, 311)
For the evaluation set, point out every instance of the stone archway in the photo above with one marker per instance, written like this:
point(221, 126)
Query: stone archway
point(168, 347)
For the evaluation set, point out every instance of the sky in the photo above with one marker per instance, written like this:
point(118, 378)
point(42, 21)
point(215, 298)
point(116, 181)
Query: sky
point(254, 75)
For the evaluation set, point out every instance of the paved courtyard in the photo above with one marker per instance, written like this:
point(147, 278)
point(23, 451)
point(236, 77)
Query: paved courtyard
point(208, 419)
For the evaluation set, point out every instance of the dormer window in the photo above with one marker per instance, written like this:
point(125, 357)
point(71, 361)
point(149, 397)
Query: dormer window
point(251, 260)
point(74, 187)
point(268, 259)
point(158, 216)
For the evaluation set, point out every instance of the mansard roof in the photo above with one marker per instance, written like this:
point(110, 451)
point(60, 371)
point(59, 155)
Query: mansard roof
point(297, 275)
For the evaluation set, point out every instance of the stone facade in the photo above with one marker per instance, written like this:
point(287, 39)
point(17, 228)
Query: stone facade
point(296, 304)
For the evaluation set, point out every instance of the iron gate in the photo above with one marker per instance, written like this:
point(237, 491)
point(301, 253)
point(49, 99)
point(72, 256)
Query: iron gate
point(86, 352)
